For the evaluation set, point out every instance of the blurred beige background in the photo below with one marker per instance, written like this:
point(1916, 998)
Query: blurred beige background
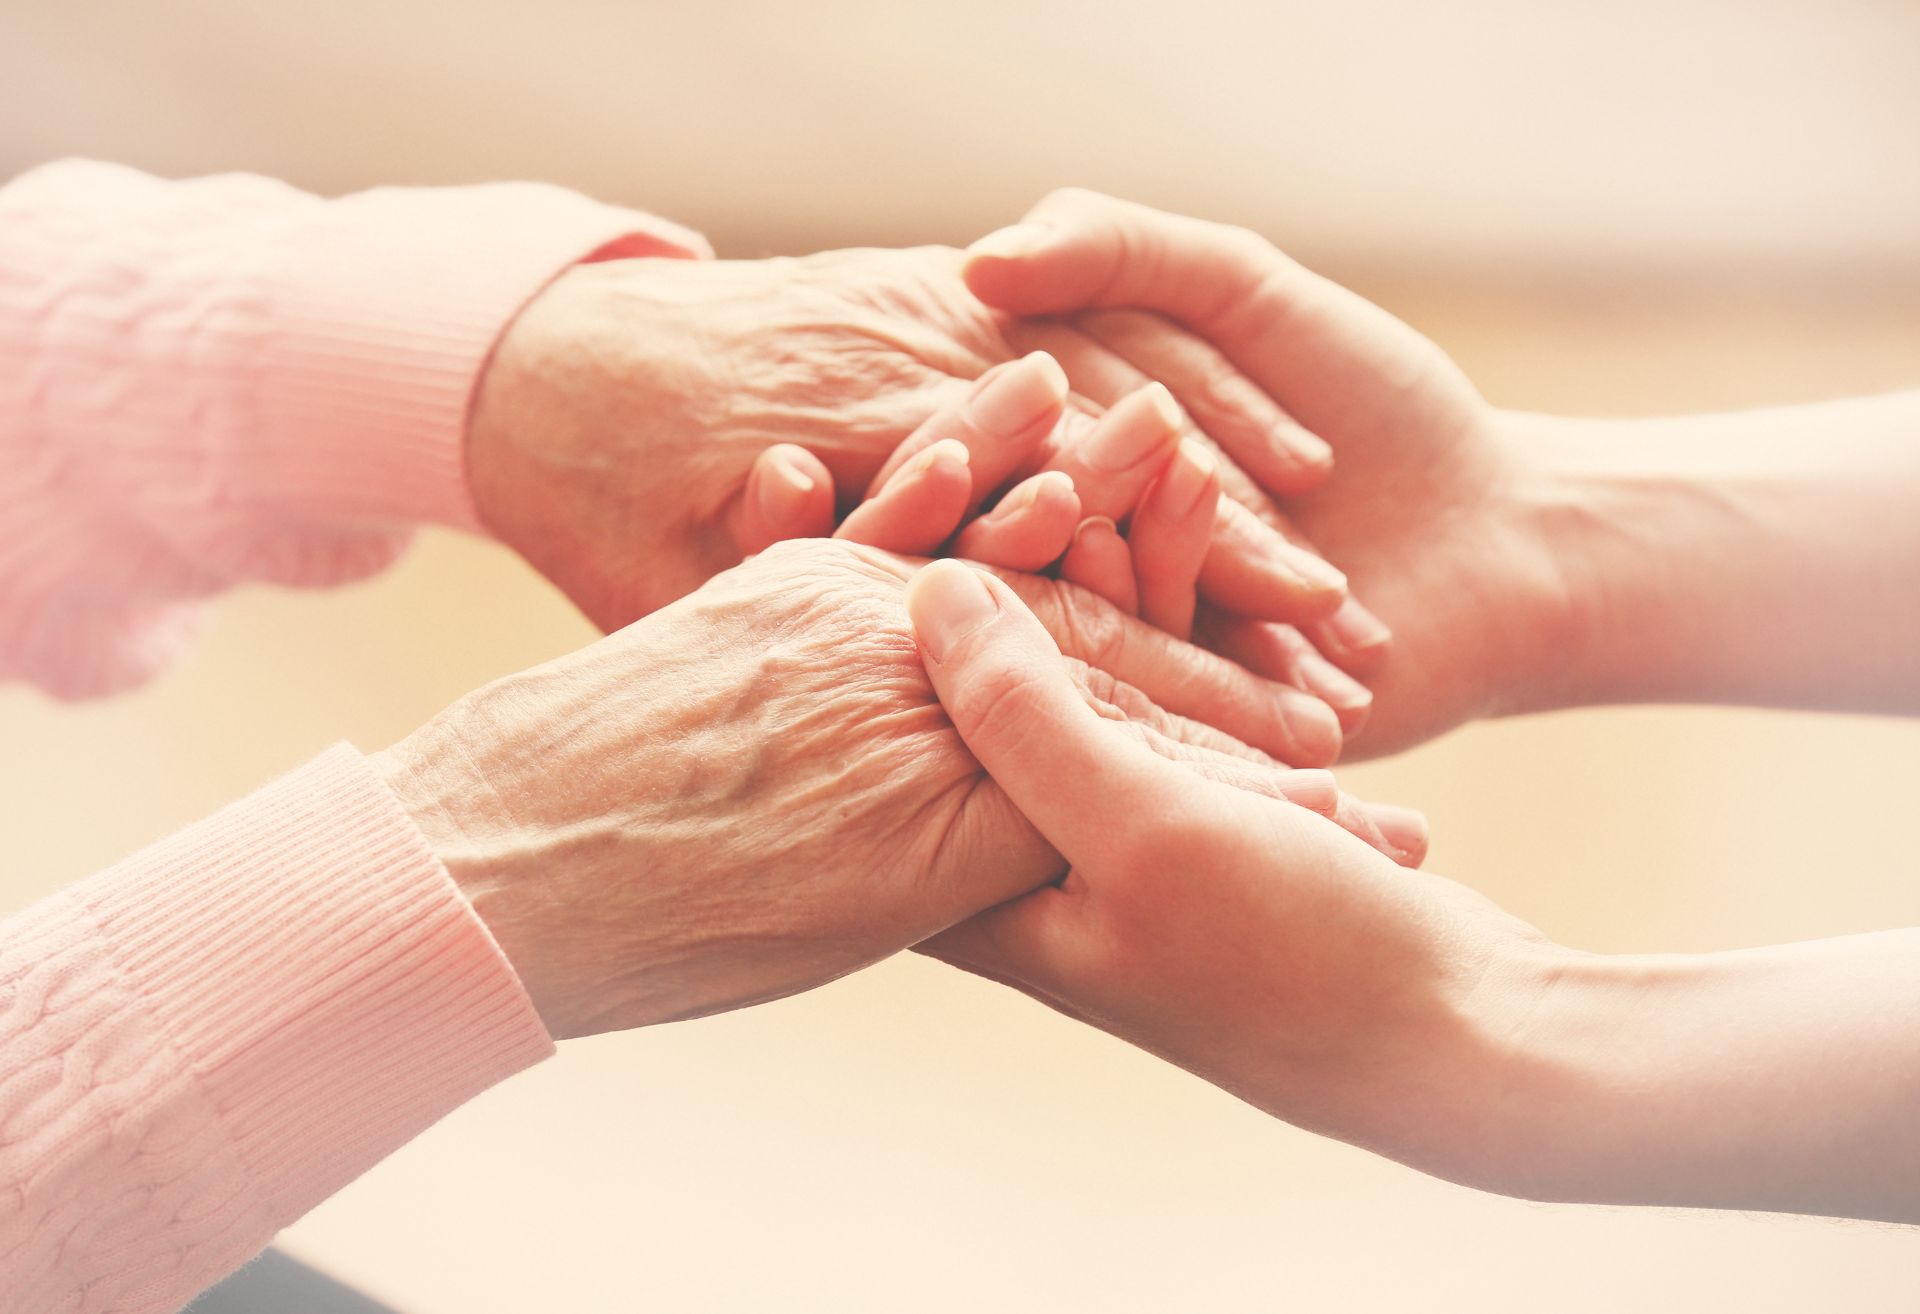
point(1640, 206)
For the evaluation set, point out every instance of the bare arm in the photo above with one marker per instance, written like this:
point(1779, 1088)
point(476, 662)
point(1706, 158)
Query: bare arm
point(1770, 557)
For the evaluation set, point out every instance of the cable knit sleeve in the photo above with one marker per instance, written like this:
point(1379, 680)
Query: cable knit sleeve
point(226, 380)
point(200, 1044)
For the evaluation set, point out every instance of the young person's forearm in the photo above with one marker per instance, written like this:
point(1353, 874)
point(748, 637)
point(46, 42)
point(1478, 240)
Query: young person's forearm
point(1783, 1079)
point(1770, 557)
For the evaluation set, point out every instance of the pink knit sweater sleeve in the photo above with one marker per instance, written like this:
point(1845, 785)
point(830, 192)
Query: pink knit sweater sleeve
point(200, 1044)
point(226, 380)
point(201, 384)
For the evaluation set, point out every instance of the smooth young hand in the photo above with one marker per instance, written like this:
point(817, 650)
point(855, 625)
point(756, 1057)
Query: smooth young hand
point(1434, 505)
point(1272, 953)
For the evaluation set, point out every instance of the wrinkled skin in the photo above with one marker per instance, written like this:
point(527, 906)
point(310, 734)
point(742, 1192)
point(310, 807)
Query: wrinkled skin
point(754, 791)
point(614, 431)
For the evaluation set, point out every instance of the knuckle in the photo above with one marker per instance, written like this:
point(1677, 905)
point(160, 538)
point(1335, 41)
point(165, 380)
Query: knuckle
point(794, 554)
point(1071, 198)
point(1246, 243)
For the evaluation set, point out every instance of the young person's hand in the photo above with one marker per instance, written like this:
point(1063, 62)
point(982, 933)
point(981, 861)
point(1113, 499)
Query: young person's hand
point(1267, 950)
point(1434, 507)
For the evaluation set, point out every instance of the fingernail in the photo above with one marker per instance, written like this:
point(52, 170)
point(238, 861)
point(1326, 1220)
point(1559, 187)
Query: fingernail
point(1052, 481)
point(1027, 493)
point(1319, 573)
point(947, 449)
point(1120, 443)
point(1092, 523)
point(1313, 727)
point(1356, 629)
point(1336, 688)
point(1314, 790)
point(1014, 242)
point(947, 601)
point(1170, 413)
point(782, 489)
point(1019, 395)
point(1179, 489)
point(1298, 447)
point(1404, 828)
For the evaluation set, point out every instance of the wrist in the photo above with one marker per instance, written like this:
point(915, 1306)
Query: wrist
point(1628, 525)
point(442, 792)
point(1541, 614)
point(592, 449)
point(1491, 1116)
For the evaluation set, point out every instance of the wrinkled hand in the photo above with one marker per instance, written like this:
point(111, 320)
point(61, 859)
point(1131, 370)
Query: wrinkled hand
point(1249, 941)
point(754, 791)
point(1142, 530)
point(1431, 509)
point(614, 435)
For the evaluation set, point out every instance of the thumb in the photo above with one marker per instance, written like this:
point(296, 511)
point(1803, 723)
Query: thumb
point(789, 494)
point(1008, 692)
point(1078, 250)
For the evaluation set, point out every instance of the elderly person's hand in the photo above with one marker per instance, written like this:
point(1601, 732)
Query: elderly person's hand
point(753, 791)
point(614, 432)
point(1435, 507)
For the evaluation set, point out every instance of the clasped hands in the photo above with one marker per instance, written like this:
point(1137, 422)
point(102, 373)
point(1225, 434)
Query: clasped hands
point(1089, 770)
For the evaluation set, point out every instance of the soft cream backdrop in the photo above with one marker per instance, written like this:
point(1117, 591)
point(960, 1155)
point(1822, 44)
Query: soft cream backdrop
point(1651, 206)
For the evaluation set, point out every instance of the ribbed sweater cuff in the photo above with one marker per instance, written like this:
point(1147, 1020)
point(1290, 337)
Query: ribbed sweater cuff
point(324, 980)
point(382, 319)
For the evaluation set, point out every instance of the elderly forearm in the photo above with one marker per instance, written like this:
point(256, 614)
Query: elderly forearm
point(1771, 557)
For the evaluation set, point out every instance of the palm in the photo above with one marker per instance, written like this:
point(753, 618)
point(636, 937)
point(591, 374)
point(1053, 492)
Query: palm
point(1413, 514)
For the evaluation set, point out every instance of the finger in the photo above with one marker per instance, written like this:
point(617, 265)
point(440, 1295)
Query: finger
point(1353, 637)
point(1119, 701)
point(919, 508)
point(1288, 723)
point(1079, 250)
point(1276, 449)
point(1122, 452)
point(1029, 529)
point(1099, 561)
point(789, 494)
point(1101, 377)
point(1170, 535)
point(1003, 421)
point(1317, 349)
point(1271, 567)
point(1399, 833)
point(1093, 371)
point(1404, 832)
point(1250, 568)
point(1281, 652)
point(1002, 682)
point(1313, 789)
